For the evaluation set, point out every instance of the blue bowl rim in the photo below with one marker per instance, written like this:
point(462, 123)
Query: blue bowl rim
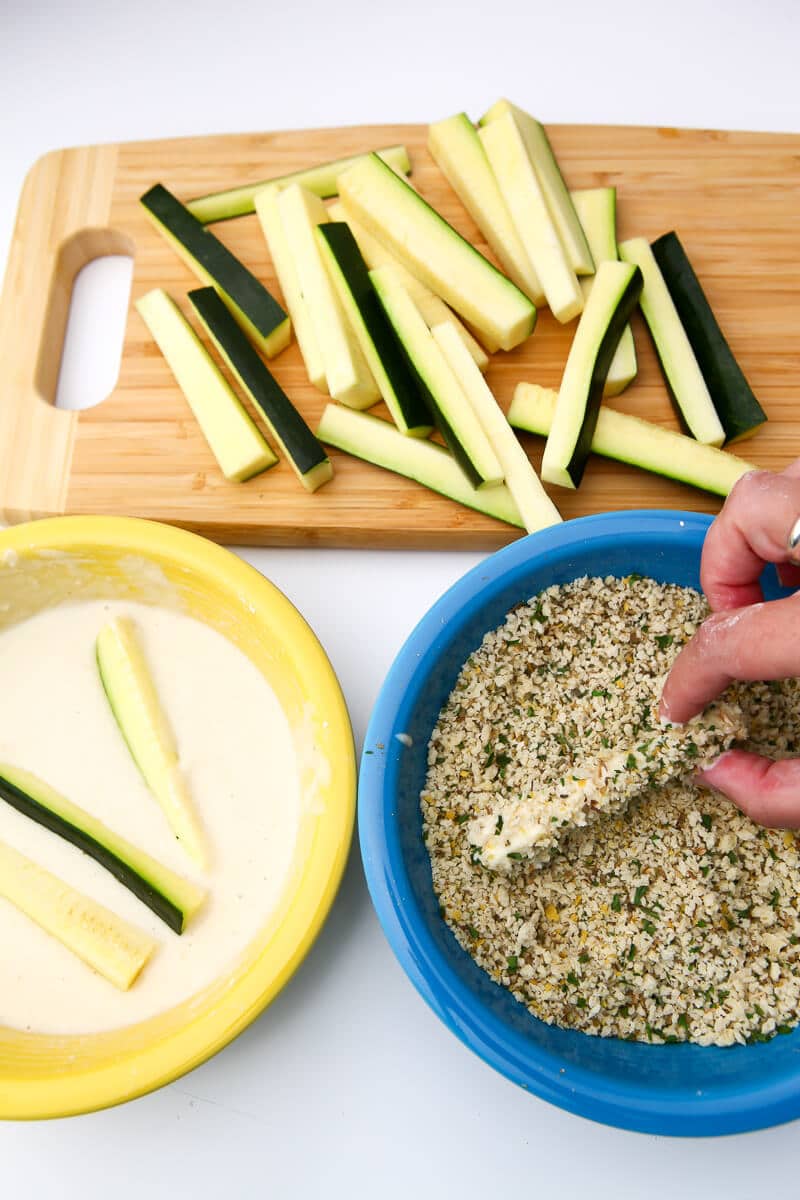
point(576, 1090)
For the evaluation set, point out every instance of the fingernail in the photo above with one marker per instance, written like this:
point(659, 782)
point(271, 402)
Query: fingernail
point(665, 713)
point(708, 774)
point(793, 542)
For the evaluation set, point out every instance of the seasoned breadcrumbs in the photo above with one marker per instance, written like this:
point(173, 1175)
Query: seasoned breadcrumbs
point(675, 921)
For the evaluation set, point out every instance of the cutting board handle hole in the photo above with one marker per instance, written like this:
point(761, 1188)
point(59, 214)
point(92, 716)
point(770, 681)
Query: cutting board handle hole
point(92, 351)
point(86, 318)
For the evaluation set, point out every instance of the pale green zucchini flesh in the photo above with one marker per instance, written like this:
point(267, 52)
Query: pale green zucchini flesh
point(521, 188)
point(457, 149)
point(112, 947)
point(435, 253)
point(535, 506)
point(266, 203)
point(135, 703)
point(597, 212)
point(233, 439)
point(541, 154)
point(348, 376)
point(682, 373)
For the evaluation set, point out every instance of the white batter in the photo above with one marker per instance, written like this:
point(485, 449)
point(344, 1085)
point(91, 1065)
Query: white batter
point(236, 748)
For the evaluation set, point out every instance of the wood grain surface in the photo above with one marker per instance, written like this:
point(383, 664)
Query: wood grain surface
point(732, 197)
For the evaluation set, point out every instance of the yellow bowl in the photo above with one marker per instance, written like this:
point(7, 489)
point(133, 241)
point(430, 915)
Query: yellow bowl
point(47, 562)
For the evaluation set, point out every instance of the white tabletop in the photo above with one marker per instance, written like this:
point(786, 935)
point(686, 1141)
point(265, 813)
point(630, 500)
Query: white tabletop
point(348, 1085)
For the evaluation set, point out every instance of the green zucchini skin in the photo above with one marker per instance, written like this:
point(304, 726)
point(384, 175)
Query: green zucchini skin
point(380, 442)
point(605, 353)
point(321, 180)
point(451, 438)
point(736, 405)
point(299, 443)
point(413, 411)
point(247, 293)
point(638, 443)
point(145, 891)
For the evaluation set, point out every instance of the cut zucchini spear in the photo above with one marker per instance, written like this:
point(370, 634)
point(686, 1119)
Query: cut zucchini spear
point(737, 408)
point(535, 506)
point(685, 381)
point(522, 191)
point(305, 454)
point(385, 359)
point(171, 897)
point(457, 149)
point(142, 722)
point(323, 181)
point(266, 203)
point(348, 376)
point(631, 440)
point(254, 308)
point(597, 210)
point(613, 298)
point(380, 443)
point(451, 410)
point(232, 437)
point(570, 230)
point(432, 250)
point(111, 946)
point(434, 310)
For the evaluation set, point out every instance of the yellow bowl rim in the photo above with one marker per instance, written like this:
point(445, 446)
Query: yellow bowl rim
point(254, 989)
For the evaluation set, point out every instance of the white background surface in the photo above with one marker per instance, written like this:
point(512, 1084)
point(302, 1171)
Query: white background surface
point(348, 1085)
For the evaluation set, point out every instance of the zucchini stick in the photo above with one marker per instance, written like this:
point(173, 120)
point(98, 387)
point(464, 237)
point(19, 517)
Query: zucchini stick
point(112, 947)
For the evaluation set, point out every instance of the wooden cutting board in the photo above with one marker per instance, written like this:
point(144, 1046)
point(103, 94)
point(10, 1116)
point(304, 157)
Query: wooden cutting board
point(732, 197)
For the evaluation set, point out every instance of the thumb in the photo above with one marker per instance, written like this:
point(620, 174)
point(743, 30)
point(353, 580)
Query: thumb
point(767, 792)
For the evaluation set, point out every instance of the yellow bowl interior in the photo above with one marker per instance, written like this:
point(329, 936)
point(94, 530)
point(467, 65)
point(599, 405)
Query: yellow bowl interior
point(49, 562)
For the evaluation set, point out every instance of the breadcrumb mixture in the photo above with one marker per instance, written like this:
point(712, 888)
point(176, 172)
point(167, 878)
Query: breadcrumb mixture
point(675, 921)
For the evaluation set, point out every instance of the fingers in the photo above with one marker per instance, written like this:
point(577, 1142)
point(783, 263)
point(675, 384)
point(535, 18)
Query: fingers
point(768, 792)
point(761, 641)
point(746, 638)
point(751, 530)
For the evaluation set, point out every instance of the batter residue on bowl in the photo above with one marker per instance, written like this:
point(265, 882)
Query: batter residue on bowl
point(674, 921)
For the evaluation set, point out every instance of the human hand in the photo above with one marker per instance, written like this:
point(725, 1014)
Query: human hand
point(746, 637)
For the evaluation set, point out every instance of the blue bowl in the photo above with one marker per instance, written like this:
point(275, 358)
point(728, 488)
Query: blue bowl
point(678, 1090)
